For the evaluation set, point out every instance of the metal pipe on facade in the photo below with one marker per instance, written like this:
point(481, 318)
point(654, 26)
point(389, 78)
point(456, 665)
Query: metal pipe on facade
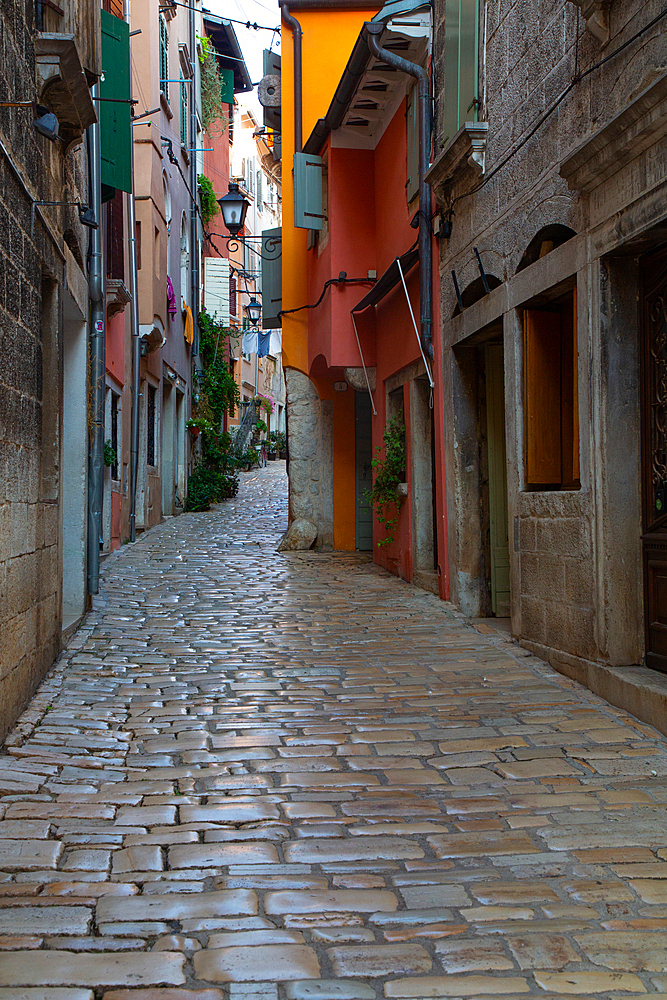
point(194, 220)
point(97, 353)
point(292, 23)
point(374, 30)
point(130, 216)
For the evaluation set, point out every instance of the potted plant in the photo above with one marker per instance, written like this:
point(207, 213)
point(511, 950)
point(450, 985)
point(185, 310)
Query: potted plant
point(389, 487)
point(281, 444)
point(197, 424)
point(272, 448)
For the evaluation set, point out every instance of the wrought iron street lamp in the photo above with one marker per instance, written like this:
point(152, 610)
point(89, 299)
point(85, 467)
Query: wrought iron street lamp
point(253, 311)
point(234, 206)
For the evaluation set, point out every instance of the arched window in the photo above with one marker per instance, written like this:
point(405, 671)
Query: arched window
point(185, 258)
point(476, 290)
point(543, 242)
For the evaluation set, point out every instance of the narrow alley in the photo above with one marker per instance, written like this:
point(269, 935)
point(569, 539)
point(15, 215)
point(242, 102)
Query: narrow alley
point(256, 775)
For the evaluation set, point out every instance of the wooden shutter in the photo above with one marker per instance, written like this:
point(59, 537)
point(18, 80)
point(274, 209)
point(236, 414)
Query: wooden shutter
point(164, 56)
point(461, 64)
point(115, 238)
point(542, 397)
point(232, 295)
point(226, 86)
point(184, 112)
point(308, 202)
point(412, 120)
point(272, 279)
point(216, 288)
point(114, 113)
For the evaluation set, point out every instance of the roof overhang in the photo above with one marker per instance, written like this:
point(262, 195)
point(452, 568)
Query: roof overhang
point(369, 91)
point(228, 51)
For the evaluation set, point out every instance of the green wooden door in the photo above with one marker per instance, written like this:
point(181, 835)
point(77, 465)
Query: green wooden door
point(498, 515)
point(363, 471)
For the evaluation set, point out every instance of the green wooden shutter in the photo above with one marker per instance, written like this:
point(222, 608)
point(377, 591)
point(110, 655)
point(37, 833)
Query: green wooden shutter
point(308, 202)
point(164, 55)
point(114, 114)
point(461, 59)
point(272, 278)
point(226, 86)
point(184, 111)
point(412, 119)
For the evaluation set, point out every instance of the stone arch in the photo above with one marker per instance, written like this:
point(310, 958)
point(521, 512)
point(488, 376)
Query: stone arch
point(543, 242)
point(475, 291)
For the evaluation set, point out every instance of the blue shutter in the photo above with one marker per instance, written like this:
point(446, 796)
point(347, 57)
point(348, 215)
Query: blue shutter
point(272, 278)
point(308, 203)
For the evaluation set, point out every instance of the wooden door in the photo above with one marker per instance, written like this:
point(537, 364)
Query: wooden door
point(654, 456)
point(363, 471)
point(498, 513)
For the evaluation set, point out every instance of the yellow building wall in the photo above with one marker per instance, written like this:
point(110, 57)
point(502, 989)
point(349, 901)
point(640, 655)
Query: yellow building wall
point(328, 38)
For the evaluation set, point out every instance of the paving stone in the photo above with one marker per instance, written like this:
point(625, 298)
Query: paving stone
point(276, 963)
point(472, 956)
point(328, 989)
point(44, 919)
point(368, 848)
point(55, 968)
point(45, 993)
point(177, 906)
point(576, 983)
point(164, 993)
point(542, 951)
point(204, 855)
point(627, 951)
point(456, 986)
point(379, 960)
point(29, 855)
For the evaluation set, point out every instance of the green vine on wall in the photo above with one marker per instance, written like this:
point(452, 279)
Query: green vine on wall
point(389, 472)
point(209, 203)
point(214, 119)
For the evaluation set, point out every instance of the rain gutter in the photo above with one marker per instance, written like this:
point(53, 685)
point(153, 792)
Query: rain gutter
point(97, 354)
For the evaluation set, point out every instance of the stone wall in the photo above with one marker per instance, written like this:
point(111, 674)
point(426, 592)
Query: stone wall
point(575, 554)
point(310, 431)
point(33, 281)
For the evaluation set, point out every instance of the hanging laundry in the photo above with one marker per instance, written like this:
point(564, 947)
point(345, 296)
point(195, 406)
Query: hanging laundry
point(171, 299)
point(189, 329)
point(249, 344)
point(264, 343)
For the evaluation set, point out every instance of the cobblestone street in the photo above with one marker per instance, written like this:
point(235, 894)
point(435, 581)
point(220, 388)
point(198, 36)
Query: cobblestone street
point(259, 776)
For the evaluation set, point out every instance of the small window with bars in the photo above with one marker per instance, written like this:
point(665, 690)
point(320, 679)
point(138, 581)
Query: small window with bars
point(164, 56)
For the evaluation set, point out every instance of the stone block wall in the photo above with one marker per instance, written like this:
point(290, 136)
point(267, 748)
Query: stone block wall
point(310, 430)
point(32, 277)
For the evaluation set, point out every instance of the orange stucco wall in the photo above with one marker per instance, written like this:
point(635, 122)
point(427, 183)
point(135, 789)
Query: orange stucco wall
point(328, 40)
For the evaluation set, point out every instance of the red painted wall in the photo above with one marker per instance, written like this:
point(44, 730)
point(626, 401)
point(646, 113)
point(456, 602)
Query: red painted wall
point(115, 347)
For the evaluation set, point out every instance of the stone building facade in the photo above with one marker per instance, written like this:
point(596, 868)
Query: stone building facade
point(553, 374)
point(51, 58)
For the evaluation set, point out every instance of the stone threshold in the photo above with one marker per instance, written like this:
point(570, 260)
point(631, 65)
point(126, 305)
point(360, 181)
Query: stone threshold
point(70, 625)
point(638, 690)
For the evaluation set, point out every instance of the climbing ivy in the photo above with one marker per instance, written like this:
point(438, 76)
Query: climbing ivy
point(209, 203)
point(214, 119)
point(389, 472)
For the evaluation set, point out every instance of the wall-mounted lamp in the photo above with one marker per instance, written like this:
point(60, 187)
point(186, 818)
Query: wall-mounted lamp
point(234, 206)
point(45, 121)
point(86, 214)
point(253, 311)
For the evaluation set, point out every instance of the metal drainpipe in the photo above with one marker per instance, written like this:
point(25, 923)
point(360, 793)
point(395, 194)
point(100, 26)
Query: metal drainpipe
point(292, 23)
point(425, 235)
point(97, 362)
point(194, 225)
point(134, 328)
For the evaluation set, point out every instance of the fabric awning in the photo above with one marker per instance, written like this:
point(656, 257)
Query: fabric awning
point(389, 279)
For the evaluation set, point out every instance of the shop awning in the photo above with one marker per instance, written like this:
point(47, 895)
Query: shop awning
point(389, 279)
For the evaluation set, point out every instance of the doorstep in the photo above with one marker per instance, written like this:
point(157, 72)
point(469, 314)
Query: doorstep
point(638, 690)
point(69, 626)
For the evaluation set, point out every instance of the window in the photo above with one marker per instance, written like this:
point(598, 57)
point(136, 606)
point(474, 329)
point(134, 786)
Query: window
point(150, 426)
point(461, 57)
point(184, 112)
point(164, 56)
point(114, 434)
point(258, 189)
point(551, 410)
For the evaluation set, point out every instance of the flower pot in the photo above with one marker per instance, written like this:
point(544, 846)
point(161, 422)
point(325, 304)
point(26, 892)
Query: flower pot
point(194, 431)
point(283, 456)
point(271, 456)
